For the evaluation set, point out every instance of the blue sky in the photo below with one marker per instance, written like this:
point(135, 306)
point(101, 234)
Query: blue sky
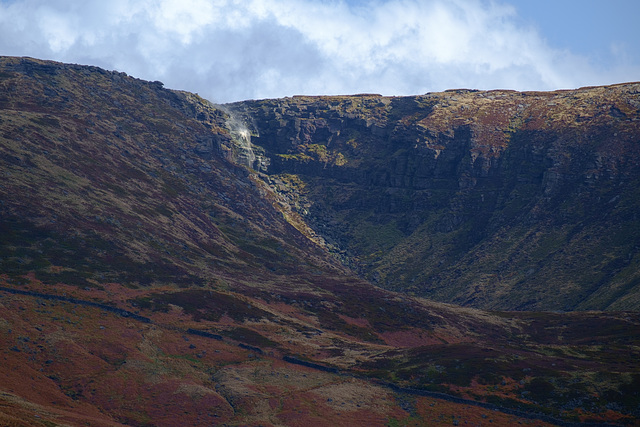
point(228, 50)
point(594, 28)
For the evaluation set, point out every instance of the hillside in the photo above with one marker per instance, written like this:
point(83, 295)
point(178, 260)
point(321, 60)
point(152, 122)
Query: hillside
point(166, 261)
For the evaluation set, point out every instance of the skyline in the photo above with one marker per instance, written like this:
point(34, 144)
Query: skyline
point(228, 51)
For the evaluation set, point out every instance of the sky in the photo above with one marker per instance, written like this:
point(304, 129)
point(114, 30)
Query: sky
point(232, 50)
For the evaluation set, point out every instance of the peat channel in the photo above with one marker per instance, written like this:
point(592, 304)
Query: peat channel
point(116, 310)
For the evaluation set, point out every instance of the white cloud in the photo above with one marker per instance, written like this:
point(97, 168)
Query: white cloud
point(231, 50)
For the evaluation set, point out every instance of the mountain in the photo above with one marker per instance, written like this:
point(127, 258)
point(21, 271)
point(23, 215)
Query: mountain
point(165, 260)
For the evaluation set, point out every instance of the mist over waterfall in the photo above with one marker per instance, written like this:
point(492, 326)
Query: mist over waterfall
point(246, 154)
point(241, 135)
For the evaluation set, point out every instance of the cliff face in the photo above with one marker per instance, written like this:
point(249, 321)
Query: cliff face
point(496, 199)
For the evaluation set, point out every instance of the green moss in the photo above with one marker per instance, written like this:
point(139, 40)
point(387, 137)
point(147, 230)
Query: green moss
point(298, 157)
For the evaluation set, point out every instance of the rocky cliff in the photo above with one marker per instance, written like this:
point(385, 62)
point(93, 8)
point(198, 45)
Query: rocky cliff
point(492, 199)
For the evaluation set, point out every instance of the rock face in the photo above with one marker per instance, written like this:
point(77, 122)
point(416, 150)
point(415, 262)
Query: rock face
point(498, 199)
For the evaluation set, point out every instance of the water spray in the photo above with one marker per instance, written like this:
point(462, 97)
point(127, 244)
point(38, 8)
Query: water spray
point(242, 136)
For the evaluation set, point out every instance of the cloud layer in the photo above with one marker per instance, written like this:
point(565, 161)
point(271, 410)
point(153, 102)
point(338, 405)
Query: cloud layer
point(229, 50)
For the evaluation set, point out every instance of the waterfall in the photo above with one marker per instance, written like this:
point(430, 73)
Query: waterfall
point(246, 155)
point(241, 136)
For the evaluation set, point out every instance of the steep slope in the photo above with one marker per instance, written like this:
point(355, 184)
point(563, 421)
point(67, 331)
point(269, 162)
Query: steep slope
point(137, 181)
point(149, 277)
point(496, 199)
